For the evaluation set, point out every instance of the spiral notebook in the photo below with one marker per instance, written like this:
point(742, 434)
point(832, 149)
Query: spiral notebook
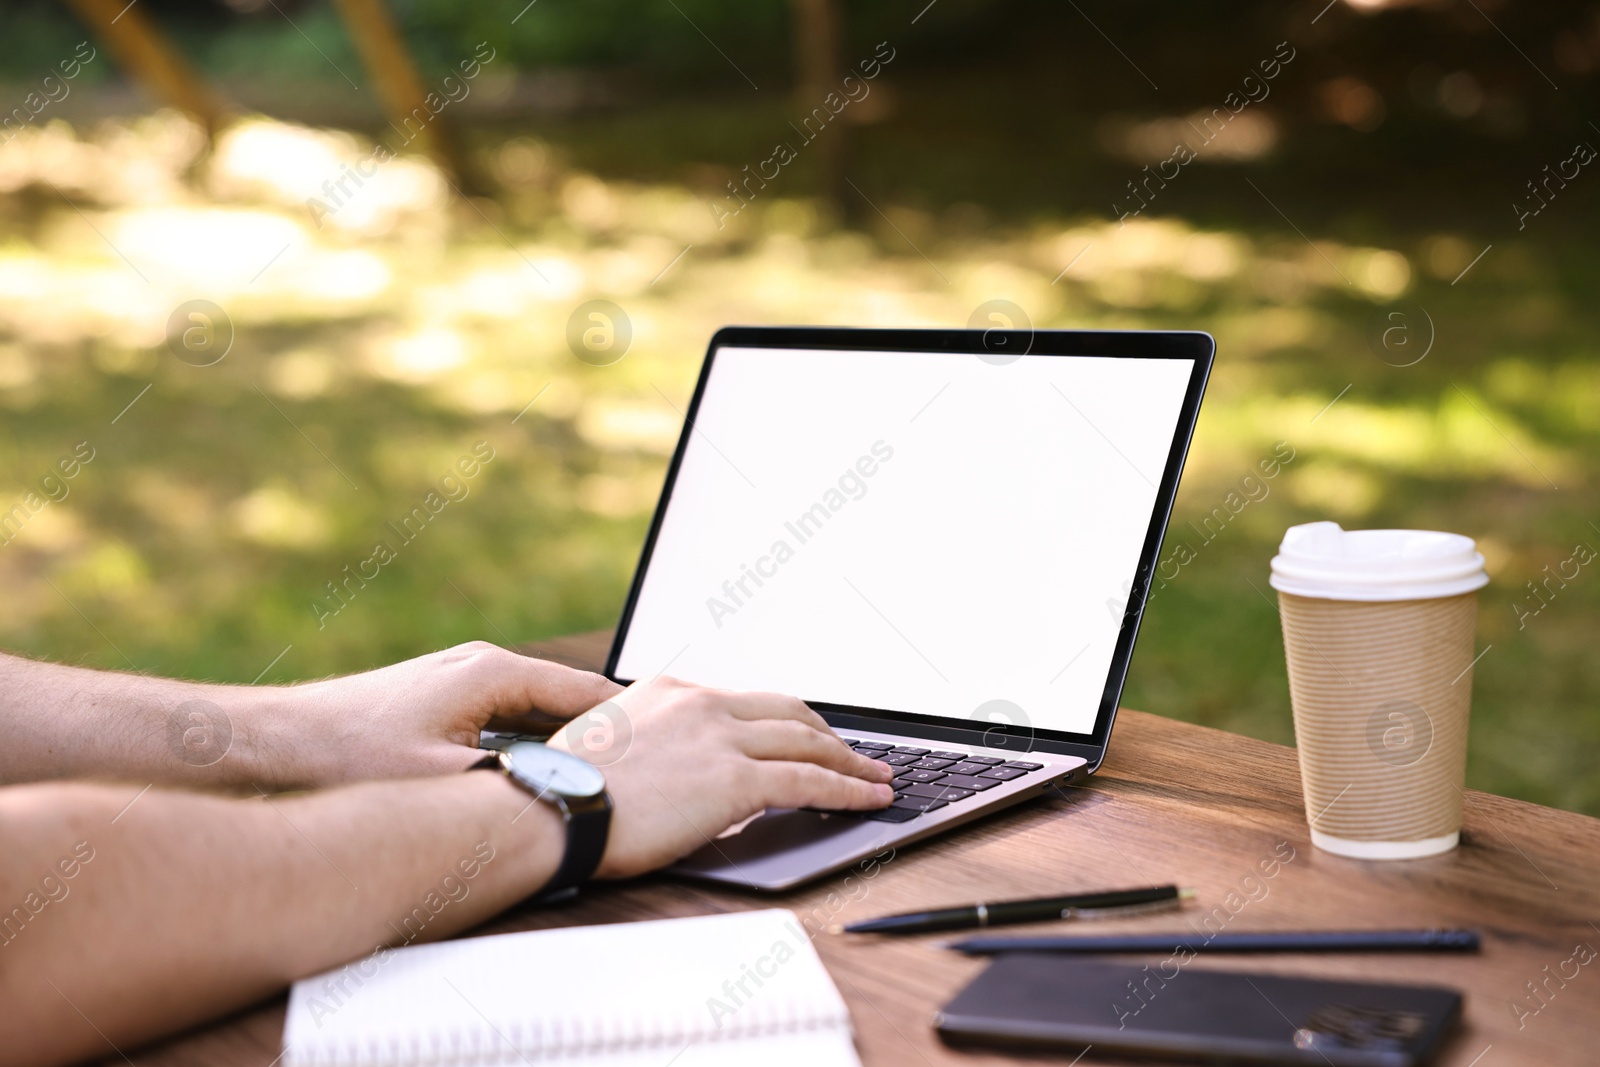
point(711, 991)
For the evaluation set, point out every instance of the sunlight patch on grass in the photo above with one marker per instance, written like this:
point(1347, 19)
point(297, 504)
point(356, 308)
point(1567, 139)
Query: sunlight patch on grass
point(290, 165)
point(56, 529)
point(1455, 437)
point(1336, 490)
point(110, 570)
point(646, 425)
point(421, 357)
point(275, 516)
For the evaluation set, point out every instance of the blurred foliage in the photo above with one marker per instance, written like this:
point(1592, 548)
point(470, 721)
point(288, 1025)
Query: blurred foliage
point(374, 351)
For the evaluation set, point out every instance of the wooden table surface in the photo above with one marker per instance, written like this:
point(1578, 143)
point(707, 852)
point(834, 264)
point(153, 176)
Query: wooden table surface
point(1173, 803)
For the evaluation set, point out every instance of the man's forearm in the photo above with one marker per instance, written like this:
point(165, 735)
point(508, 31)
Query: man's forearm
point(68, 722)
point(413, 719)
point(179, 907)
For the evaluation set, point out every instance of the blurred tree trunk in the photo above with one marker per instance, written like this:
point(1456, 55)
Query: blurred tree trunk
point(818, 37)
point(150, 60)
point(390, 68)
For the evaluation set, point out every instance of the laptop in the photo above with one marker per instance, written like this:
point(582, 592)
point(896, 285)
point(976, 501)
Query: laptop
point(941, 540)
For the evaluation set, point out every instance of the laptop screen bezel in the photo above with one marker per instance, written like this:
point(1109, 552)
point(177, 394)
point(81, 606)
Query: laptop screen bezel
point(1194, 346)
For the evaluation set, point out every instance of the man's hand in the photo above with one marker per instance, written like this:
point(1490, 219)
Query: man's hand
point(416, 718)
point(683, 763)
point(422, 717)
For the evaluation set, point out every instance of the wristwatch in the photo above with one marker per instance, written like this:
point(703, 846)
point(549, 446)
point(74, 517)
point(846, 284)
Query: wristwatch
point(573, 787)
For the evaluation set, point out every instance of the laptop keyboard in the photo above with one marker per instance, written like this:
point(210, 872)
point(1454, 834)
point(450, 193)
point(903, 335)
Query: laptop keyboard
point(927, 780)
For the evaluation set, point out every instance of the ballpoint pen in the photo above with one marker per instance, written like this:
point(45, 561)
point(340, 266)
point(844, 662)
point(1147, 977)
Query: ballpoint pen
point(1077, 905)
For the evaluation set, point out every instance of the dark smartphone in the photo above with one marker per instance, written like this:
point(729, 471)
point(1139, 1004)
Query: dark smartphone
point(1185, 1012)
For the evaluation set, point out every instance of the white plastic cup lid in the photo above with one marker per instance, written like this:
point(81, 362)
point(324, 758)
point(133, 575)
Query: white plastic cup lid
point(1326, 561)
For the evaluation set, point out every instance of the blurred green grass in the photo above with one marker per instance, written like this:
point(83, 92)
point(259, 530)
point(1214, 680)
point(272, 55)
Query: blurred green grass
point(374, 352)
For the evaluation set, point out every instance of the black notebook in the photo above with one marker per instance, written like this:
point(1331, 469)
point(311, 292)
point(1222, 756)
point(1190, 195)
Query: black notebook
point(1164, 1010)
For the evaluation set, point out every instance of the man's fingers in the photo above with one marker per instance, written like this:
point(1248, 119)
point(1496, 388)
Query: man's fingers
point(775, 706)
point(536, 689)
point(786, 739)
point(806, 785)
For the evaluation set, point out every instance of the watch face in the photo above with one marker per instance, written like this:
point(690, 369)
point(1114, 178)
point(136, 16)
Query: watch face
point(544, 768)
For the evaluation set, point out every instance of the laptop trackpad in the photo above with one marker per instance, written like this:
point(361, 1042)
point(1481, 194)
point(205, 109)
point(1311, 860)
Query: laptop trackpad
point(775, 845)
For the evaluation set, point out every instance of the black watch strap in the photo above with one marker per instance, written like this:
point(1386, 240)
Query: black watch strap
point(588, 821)
point(588, 828)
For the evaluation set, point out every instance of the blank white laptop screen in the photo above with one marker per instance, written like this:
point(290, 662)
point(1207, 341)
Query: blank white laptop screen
point(906, 531)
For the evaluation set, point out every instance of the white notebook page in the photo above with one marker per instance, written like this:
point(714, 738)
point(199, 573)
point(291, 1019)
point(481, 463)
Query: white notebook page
point(741, 988)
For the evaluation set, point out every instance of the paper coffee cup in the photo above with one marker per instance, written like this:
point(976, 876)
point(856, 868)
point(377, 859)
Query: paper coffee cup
point(1378, 630)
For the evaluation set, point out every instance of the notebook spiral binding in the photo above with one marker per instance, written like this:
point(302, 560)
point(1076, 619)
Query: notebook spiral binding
point(512, 1042)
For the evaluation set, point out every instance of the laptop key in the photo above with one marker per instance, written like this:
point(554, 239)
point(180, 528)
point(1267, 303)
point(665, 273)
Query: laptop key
point(927, 763)
point(918, 804)
point(1021, 766)
point(882, 745)
point(948, 755)
point(889, 814)
point(896, 759)
point(913, 750)
point(908, 775)
point(991, 760)
point(937, 792)
point(965, 767)
point(1005, 774)
point(900, 783)
point(967, 781)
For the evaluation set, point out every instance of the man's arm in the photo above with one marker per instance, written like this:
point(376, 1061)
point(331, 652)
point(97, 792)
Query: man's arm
point(414, 718)
point(127, 914)
point(185, 906)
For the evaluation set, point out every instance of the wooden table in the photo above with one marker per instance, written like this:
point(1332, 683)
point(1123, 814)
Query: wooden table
point(1173, 803)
